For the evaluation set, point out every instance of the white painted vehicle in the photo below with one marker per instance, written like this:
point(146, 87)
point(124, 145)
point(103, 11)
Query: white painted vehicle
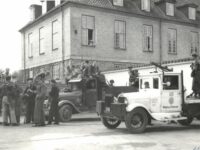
point(161, 96)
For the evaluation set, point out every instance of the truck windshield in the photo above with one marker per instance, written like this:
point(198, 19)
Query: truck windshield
point(173, 80)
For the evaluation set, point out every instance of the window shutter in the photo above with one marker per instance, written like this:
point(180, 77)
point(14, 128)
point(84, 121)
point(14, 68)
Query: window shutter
point(90, 22)
point(151, 37)
point(84, 21)
point(144, 38)
point(84, 36)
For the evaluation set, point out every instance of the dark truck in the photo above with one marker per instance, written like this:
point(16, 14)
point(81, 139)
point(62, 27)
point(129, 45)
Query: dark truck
point(81, 95)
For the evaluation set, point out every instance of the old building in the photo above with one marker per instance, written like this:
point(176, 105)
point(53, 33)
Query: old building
point(114, 33)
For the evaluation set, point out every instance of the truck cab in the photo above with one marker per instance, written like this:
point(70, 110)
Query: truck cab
point(161, 96)
point(78, 96)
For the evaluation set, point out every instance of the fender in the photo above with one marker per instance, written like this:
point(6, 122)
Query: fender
point(63, 102)
point(131, 107)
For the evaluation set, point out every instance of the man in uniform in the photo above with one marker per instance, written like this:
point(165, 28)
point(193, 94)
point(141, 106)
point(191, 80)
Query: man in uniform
point(53, 98)
point(29, 97)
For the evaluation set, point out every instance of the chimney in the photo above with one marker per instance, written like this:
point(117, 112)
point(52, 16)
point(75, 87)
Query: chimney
point(35, 11)
point(47, 5)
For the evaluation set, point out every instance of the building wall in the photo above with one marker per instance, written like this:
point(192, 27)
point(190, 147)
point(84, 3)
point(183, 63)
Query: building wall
point(104, 29)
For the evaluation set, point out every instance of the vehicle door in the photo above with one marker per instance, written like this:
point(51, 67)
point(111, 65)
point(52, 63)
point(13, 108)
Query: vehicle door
point(171, 94)
point(91, 93)
point(150, 93)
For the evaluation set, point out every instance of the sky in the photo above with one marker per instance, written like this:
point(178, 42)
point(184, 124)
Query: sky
point(14, 15)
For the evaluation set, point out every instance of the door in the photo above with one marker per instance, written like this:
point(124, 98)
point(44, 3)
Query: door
point(91, 93)
point(171, 98)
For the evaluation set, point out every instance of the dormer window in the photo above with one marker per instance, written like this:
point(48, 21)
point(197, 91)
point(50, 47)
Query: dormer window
point(145, 5)
point(118, 3)
point(169, 9)
point(192, 13)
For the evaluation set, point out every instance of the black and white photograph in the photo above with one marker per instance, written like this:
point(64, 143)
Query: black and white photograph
point(100, 75)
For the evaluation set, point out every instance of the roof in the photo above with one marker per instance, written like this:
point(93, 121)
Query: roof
point(131, 7)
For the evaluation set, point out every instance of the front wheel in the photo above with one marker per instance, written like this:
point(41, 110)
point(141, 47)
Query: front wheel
point(65, 113)
point(110, 123)
point(136, 120)
point(186, 122)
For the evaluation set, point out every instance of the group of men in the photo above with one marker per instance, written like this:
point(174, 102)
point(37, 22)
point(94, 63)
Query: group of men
point(33, 97)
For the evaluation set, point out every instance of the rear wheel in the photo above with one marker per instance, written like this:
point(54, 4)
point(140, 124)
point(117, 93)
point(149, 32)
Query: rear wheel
point(110, 123)
point(136, 120)
point(65, 113)
point(186, 122)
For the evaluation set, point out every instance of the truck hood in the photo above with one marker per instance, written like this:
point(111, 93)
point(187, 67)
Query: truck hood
point(148, 94)
point(69, 95)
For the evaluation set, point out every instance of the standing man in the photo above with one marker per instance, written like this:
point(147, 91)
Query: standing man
point(29, 97)
point(53, 98)
point(41, 93)
point(8, 102)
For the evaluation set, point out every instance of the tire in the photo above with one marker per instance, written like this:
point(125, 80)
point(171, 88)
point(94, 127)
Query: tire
point(186, 122)
point(110, 123)
point(65, 113)
point(136, 120)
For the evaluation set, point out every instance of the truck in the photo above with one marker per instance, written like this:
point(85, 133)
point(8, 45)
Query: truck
point(161, 96)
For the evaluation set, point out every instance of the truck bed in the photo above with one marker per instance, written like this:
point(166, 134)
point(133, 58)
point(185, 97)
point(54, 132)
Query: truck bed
point(192, 100)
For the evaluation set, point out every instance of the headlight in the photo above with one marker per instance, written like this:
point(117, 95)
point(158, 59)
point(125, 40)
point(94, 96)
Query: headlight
point(123, 100)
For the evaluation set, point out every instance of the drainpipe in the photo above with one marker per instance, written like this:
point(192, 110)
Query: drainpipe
point(160, 36)
point(63, 44)
point(24, 49)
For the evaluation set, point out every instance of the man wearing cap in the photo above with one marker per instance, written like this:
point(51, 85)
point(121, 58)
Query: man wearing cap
point(53, 98)
point(29, 97)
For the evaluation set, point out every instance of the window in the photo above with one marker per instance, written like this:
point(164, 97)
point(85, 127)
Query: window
point(31, 74)
point(118, 2)
point(169, 9)
point(172, 41)
point(41, 41)
point(88, 30)
point(120, 34)
point(30, 45)
point(148, 38)
point(192, 13)
point(56, 72)
point(55, 37)
point(173, 80)
point(155, 83)
point(194, 42)
point(145, 5)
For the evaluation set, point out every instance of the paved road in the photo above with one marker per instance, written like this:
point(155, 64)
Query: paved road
point(86, 135)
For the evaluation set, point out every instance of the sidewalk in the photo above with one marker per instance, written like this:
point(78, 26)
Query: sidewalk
point(85, 116)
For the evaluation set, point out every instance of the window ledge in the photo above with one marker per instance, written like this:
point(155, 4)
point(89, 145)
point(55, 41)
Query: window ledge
point(146, 51)
point(117, 48)
point(88, 45)
point(42, 53)
point(30, 57)
point(171, 53)
point(55, 49)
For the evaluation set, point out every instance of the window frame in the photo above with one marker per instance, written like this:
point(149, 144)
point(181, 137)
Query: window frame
point(143, 38)
point(54, 34)
point(124, 35)
point(193, 43)
point(168, 12)
point(190, 13)
point(30, 42)
point(169, 40)
point(41, 39)
point(121, 4)
point(82, 29)
point(143, 5)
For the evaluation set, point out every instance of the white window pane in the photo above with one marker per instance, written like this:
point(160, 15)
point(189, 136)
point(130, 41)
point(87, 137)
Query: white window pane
point(118, 2)
point(192, 13)
point(55, 41)
point(121, 27)
point(170, 9)
point(55, 27)
point(30, 45)
point(42, 46)
point(145, 5)
point(116, 26)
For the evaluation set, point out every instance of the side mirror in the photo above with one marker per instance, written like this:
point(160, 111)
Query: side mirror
point(167, 84)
